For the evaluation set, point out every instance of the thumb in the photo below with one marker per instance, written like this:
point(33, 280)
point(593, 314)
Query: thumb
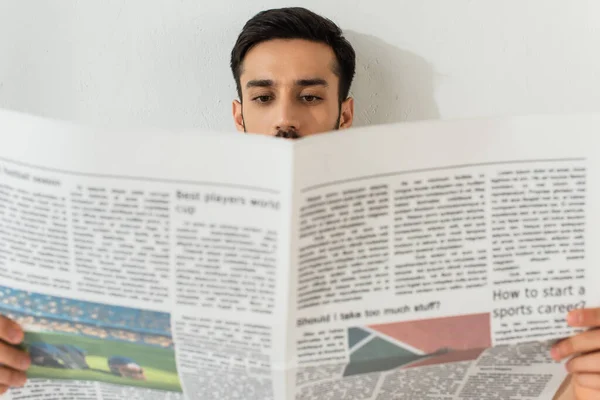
point(583, 393)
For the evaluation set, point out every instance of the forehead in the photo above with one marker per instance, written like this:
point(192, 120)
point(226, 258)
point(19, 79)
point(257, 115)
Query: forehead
point(287, 60)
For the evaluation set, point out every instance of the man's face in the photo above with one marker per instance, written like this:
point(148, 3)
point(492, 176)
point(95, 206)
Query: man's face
point(289, 89)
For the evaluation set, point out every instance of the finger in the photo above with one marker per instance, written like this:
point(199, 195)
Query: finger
point(12, 378)
point(582, 343)
point(11, 357)
point(3, 389)
point(10, 331)
point(584, 317)
point(588, 381)
point(585, 363)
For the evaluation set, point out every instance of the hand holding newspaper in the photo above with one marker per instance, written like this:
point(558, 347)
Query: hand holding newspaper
point(431, 260)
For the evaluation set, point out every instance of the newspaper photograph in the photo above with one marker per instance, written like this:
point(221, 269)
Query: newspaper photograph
point(80, 340)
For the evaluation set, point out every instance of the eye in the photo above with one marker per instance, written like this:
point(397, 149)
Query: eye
point(311, 99)
point(262, 99)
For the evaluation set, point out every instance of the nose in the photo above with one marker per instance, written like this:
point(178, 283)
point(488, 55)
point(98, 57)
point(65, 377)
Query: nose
point(287, 122)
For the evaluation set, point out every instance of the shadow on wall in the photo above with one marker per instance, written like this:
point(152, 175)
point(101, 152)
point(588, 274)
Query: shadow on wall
point(390, 85)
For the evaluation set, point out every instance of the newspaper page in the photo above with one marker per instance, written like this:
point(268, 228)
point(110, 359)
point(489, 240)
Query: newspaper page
point(144, 265)
point(438, 260)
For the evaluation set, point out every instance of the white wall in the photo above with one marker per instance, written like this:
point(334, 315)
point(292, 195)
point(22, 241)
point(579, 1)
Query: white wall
point(164, 63)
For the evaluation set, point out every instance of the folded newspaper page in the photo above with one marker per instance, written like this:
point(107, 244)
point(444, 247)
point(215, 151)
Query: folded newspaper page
point(430, 260)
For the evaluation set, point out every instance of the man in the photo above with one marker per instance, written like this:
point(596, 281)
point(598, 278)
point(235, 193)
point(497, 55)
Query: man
point(293, 70)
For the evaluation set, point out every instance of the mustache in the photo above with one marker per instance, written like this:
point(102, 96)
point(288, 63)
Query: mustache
point(289, 134)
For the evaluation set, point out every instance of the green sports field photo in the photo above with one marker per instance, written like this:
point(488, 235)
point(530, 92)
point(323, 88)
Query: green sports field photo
point(68, 356)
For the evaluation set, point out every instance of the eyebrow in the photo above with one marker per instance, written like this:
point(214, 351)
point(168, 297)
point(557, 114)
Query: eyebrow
point(259, 83)
point(299, 82)
point(312, 82)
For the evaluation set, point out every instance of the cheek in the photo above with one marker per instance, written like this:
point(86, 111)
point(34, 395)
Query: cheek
point(324, 110)
point(256, 116)
point(327, 114)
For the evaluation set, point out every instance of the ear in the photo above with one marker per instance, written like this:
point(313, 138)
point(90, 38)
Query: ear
point(238, 116)
point(347, 113)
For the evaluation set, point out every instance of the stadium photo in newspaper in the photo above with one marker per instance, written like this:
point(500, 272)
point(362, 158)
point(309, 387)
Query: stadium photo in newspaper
point(80, 340)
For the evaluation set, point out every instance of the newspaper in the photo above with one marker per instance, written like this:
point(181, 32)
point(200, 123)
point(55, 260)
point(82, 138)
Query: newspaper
point(429, 260)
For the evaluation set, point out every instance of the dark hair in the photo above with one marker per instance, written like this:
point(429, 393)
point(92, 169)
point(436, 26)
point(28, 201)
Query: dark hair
point(295, 23)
